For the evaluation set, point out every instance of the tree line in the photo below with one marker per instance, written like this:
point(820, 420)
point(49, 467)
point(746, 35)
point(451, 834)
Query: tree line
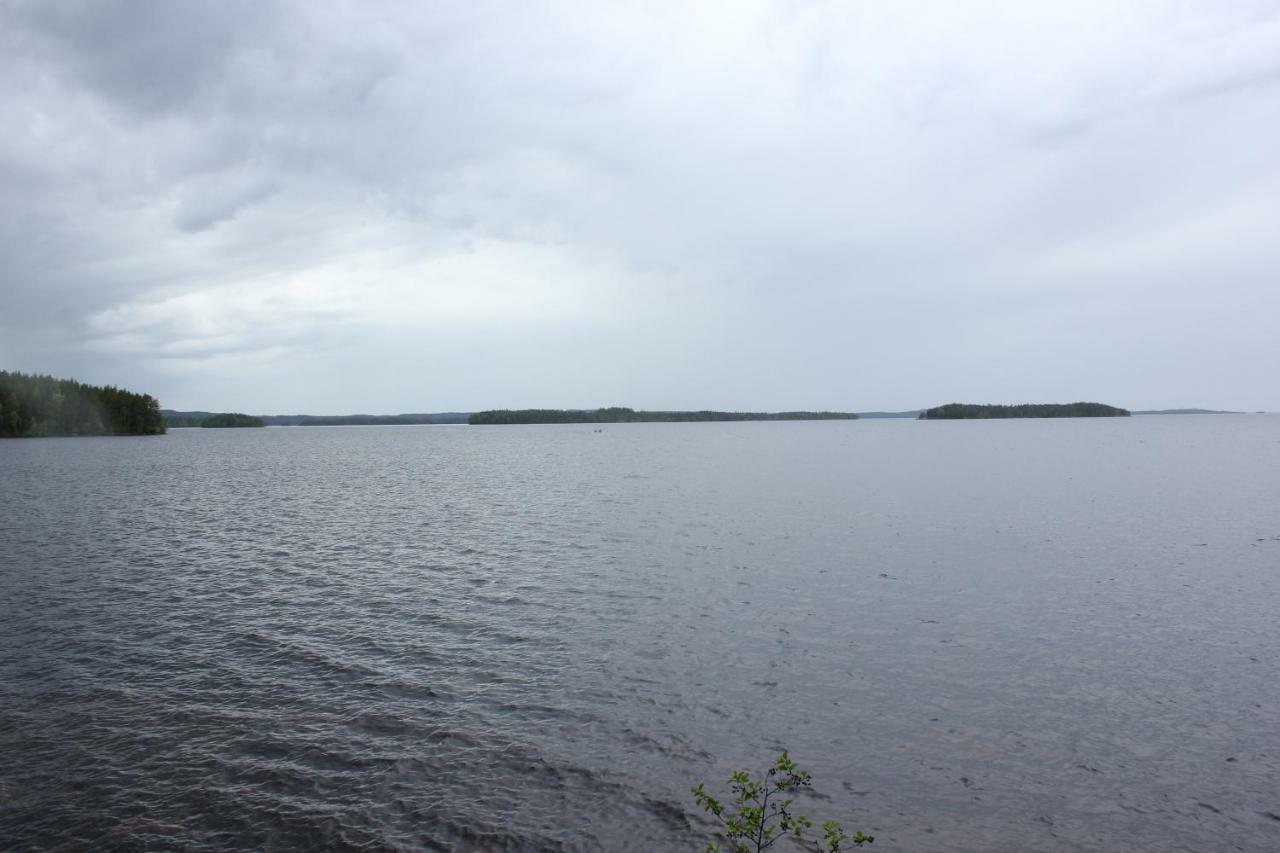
point(220, 420)
point(34, 405)
point(622, 414)
point(232, 419)
point(957, 411)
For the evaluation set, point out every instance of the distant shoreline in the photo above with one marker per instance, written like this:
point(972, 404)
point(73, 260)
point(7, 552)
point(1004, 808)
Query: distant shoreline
point(181, 419)
point(971, 411)
point(623, 415)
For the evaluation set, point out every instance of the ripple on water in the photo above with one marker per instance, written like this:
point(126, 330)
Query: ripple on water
point(440, 639)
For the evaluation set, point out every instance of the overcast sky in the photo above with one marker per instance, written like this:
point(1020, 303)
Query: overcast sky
point(376, 207)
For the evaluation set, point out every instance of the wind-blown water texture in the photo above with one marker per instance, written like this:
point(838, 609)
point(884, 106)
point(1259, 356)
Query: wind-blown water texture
point(1032, 635)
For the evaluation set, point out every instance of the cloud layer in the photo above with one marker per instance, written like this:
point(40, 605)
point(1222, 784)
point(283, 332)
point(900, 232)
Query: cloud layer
point(408, 207)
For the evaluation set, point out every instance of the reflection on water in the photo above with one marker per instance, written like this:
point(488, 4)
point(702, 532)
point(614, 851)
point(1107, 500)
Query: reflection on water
point(1030, 635)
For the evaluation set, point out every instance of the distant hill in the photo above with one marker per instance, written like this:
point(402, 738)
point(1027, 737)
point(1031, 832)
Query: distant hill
point(172, 415)
point(960, 411)
point(1185, 412)
point(622, 414)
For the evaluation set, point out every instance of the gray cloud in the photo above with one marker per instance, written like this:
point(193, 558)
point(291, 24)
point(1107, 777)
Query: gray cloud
point(263, 206)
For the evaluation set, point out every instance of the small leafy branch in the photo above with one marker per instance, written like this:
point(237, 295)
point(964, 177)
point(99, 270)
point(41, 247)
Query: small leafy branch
point(760, 813)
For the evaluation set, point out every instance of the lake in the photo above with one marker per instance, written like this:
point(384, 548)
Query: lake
point(1033, 635)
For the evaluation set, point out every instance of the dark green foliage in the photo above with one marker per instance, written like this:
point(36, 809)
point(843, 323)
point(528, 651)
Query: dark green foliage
point(211, 419)
point(46, 406)
point(621, 414)
point(232, 419)
point(185, 419)
point(957, 411)
point(761, 812)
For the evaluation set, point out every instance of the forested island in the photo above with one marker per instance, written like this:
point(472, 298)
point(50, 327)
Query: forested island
point(623, 415)
point(232, 420)
point(32, 406)
point(212, 420)
point(959, 411)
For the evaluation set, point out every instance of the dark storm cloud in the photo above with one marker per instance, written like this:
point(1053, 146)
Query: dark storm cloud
point(261, 205)
point(150, 56)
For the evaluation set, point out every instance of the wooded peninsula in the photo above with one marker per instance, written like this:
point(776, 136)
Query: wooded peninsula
point(37, 406)
point(960, 411)
point(623, 415)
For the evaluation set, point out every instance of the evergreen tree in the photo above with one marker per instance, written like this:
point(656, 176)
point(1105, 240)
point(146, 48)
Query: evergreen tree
point(46, 406)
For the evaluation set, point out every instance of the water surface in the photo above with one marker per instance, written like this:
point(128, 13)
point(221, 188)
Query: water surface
point(1041, 635)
